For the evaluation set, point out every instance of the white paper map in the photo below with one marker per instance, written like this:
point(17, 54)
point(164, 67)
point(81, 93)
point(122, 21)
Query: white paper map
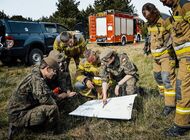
point(116, 108)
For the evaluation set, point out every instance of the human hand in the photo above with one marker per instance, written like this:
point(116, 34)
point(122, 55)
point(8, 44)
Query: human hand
point(89, 84)
point(71, 94)
point(62, 95)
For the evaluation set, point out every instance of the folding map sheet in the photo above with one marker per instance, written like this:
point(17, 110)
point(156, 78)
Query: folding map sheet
point(116, 108)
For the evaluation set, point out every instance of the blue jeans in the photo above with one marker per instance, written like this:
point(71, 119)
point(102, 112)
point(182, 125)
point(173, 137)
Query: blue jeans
point(79, 86)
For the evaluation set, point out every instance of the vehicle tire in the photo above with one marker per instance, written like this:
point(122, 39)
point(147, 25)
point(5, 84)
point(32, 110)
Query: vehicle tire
point(123, 42)
point(35, 56)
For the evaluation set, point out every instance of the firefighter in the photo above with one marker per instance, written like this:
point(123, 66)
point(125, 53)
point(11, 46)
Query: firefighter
point(88, 82)
point(120, 70)
point(72, 44)
point(163, 53)
point(181, 43)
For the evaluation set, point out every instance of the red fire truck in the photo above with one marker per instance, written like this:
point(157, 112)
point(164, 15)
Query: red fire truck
point(114, 27)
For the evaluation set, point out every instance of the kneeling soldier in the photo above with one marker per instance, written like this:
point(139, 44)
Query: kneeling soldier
point(32, 105)
point(119, 69)
point(59, 83)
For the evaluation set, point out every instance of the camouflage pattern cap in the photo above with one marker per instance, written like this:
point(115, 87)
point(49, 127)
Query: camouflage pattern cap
point(51, 62)
point(106, 54)
point(59, 57)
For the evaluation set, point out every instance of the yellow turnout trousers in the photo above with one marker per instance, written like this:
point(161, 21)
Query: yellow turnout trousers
point(182, 117)
point(164, 74)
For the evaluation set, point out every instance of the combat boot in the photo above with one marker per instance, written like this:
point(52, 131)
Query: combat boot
point(175, 131)
point(167, 110)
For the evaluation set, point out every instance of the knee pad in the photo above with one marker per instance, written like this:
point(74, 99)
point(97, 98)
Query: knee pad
point(178, 89)
point(158, 77)
point(166, 80)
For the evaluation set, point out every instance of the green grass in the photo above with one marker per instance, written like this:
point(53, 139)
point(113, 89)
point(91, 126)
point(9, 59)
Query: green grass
point(147, 124)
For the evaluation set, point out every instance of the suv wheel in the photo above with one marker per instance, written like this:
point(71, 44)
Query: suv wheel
point(35, 56)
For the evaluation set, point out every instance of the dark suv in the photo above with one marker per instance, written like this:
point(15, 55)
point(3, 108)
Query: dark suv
point(28, 41)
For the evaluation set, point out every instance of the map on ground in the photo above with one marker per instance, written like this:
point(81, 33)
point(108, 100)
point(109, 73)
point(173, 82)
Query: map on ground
point(116, 108)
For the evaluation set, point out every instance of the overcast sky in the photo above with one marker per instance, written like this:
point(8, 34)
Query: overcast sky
point(38, 8)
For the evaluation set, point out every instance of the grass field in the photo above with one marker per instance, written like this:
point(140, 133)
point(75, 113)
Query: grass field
point(147, 124)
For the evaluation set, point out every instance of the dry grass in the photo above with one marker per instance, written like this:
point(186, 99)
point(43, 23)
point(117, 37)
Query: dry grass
point(147, 124)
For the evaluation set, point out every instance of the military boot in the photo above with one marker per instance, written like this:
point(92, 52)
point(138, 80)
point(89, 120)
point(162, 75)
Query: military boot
point(175, 131)
point(167, 110)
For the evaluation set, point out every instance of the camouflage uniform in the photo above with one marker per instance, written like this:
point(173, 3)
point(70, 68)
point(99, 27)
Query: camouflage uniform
point(181, 40)
point(164, 58)
point(121, 67)
point(87, 71)
point(32, 103)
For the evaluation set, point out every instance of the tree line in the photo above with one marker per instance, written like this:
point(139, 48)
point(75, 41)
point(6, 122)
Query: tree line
point(70, 16)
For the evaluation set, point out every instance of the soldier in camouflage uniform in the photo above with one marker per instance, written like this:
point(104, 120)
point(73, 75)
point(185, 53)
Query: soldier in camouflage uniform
point(88, 82)
point(60, 80)
point(161, 48)
point(31, 104)
point(59, 83)
point(181, 43)
point(118, 68)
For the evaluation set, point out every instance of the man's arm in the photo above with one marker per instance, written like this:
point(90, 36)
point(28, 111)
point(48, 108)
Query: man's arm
point(124, 79)
point(56, 44)
point(80, 71)
point(66, 95)
point(104, 92)
point(104, 75)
